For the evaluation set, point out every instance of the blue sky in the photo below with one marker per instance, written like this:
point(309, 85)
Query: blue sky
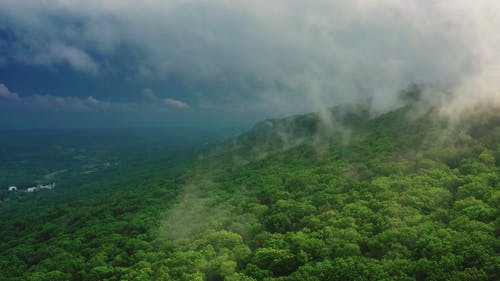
point(75, 63)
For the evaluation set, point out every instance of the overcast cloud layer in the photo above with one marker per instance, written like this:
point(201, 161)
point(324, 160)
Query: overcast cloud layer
point(219, 59)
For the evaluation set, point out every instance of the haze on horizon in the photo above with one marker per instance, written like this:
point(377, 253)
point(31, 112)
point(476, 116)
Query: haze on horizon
point(75, 63)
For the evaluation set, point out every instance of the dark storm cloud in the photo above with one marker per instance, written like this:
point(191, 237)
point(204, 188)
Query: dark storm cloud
point(271, 57)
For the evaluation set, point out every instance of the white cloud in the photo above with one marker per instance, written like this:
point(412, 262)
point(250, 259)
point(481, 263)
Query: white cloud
point(50, 102)
point(66, 103)
point(149, 94)
point(5, 93)
point(90, 104)
point(62, 54)
point(170, 102)
point(176, 103)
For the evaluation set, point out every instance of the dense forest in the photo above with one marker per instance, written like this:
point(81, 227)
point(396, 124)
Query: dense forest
point(339, 195)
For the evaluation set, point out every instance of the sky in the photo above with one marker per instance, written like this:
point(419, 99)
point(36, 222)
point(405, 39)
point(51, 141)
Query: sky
point(122, 63)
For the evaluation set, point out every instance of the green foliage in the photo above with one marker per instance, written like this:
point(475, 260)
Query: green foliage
point(404, 199)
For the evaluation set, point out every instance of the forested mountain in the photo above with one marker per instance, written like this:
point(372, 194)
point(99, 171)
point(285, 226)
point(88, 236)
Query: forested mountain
point(339, 195)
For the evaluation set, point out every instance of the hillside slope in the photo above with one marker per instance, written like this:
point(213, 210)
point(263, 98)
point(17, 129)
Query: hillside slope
point(341, 195)
point(407, 195)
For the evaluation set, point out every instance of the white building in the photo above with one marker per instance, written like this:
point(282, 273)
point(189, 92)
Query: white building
point(13, 188)
point(40, 187)
point(48, 186)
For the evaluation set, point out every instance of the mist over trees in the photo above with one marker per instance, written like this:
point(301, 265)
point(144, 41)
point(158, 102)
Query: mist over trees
point(401, 196)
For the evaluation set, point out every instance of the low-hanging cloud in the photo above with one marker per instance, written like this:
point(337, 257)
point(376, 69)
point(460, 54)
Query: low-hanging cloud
point(5, 93)
point(149, 94)
point(170, 102)
point(271, 56)
point(51, 103)
point(68, 103)
point(176, 103)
